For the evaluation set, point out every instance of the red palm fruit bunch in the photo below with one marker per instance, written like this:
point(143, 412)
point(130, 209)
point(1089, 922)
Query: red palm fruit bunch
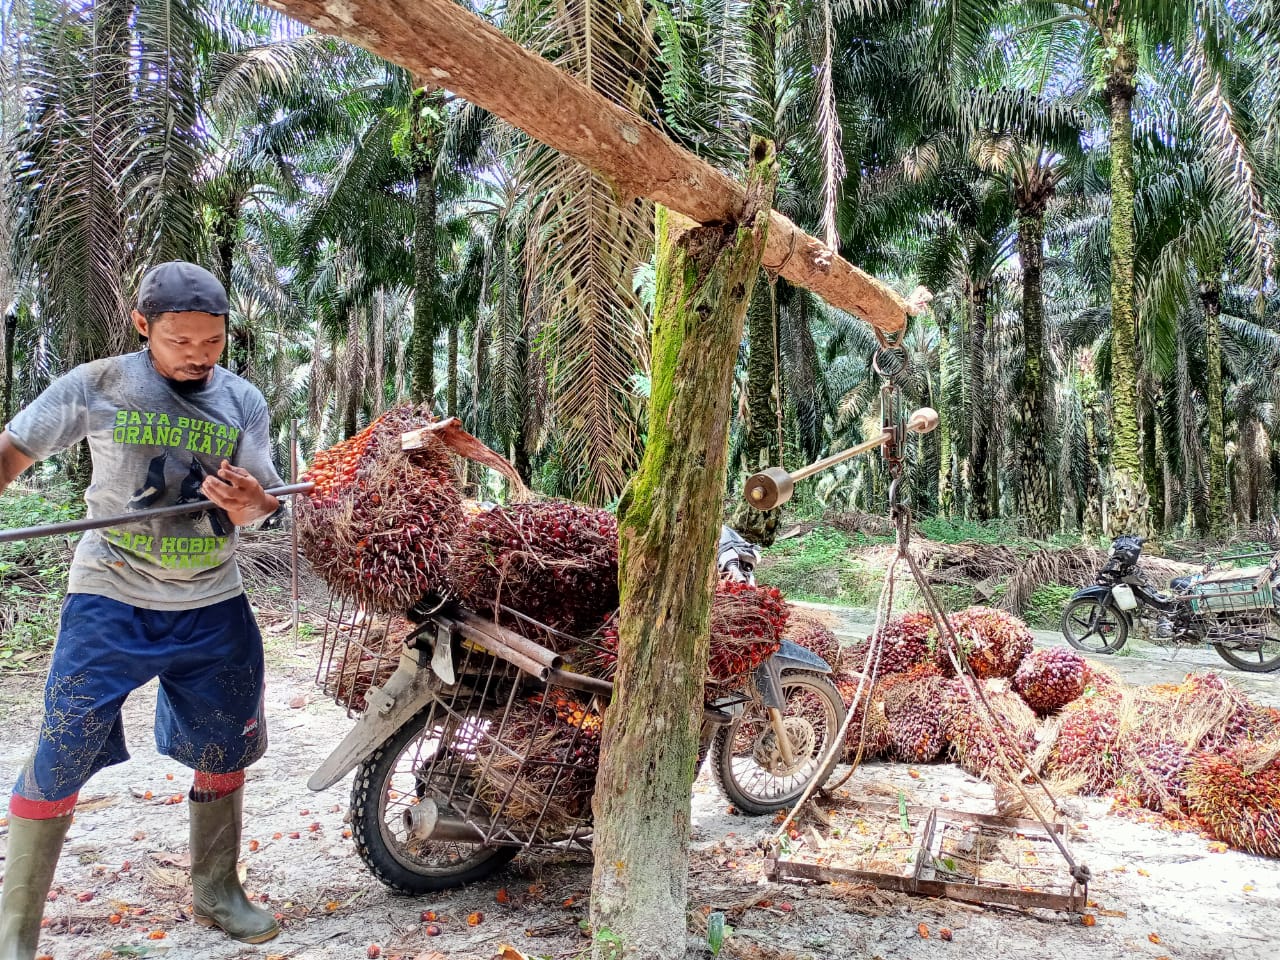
point(554, 562)
point(994, 642)
point(918, 717)
point(1088, 744)
point(380, 528)
point(977, 742)
point(1050, 679)
point(905, 643)
point(540, 756)
point(1238, 719)
point(334, 469)
point(1236, 795)
point(1155, 771)
point(1101, 682)
point(868, 728)
point(747, 625)
point(815, 636)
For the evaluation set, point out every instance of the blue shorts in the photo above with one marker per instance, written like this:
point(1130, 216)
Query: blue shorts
point(209, 712)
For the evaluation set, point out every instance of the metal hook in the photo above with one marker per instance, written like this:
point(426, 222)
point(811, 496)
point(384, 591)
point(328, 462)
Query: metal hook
point(895, 358)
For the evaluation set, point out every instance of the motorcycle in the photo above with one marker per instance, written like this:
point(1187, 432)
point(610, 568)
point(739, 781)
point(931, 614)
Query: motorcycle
point(1236, 611)
point(430, 740)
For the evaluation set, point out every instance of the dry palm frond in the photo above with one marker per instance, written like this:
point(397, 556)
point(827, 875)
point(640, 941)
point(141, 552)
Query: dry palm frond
point(583, 245)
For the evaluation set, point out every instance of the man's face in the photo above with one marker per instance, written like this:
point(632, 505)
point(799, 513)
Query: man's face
point(184, 346)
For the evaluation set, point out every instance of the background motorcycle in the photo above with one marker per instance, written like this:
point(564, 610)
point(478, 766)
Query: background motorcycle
point(1234, 611)
point(416, 818)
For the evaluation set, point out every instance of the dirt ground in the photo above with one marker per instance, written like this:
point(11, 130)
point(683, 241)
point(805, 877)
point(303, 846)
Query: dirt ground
point(1155, 893)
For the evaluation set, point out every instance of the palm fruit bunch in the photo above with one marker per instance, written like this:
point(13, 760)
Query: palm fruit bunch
point(1101, 682)
point(371, 653)
point(1050, 679)
point(1088, 745)
point(747, 625)
point(1238, 719)
point(1155, 771)
point(905, 643)
point(993, 641)
point(815, 636)
point(379, 523)
point(1236, 795)
point(546, 752)
point(868, 728)
point(554, 562)
point(918, 717)
point(976, 744)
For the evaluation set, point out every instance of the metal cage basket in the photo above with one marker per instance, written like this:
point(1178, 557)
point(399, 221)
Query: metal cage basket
point(1235, 594)
point(360, 649)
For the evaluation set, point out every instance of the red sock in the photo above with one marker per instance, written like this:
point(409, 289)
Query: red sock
point(20, 806)
point(207, 787)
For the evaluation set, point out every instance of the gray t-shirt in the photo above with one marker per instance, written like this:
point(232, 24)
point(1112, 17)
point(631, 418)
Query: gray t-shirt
point(152, 446)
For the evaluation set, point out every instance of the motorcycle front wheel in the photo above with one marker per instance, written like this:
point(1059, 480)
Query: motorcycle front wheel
point(1093, 625)
point(418, 764)
point(751, 768)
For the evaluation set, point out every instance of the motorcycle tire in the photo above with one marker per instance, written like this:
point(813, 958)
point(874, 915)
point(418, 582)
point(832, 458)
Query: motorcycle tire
point(746, 762)
point(402, 863)
point(1082, 619)
point(1266, 655)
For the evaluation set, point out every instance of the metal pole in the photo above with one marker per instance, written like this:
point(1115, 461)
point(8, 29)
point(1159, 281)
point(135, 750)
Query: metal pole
point(94, 523)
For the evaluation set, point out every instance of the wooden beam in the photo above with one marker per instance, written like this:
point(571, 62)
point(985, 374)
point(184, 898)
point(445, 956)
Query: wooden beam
point(449, 46)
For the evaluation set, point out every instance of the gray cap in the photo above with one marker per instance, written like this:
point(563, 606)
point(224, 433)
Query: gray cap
point(179, 287)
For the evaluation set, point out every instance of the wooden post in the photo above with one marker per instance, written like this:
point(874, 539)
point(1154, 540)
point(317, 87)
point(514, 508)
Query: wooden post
point(448, 45)
point(668, 523)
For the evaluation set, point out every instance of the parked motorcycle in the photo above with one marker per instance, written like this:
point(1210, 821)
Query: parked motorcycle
point(1236, 611)
point(424, 812)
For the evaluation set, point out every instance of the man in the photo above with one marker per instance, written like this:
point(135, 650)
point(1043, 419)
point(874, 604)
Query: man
point(151, 598)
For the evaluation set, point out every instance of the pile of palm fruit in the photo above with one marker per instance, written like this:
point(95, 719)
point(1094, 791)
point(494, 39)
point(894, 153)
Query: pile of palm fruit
point(1199, 752)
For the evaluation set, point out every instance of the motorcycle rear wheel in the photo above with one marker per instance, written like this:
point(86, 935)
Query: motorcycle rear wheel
point(389, 783)
point(1092, 625)
point(745, 758)
point(1257, 654)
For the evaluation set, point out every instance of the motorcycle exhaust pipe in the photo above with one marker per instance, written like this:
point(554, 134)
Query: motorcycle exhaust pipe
point(773, 487)
point(423, 822)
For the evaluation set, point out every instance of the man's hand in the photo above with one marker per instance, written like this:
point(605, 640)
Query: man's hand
point(239, 493)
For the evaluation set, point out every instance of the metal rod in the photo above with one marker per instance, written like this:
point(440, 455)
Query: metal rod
point(150, 513)
point(805, 472)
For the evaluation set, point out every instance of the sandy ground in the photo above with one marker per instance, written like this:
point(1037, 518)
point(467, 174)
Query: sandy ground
point(1156, 893)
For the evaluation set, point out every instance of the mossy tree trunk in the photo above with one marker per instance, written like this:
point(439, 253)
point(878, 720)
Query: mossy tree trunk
point(669, 520)
point(1219, 495)
point(760, 446)
point(1035, 495)
point(1127, 498)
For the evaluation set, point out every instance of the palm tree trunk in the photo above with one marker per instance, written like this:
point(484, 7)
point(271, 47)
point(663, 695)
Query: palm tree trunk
point(668, 523)
point(451, 381)
point(1151, 472)
point(946, 497)
point(1219, 504)
point(422, 354)
point(1127, 499)
point(759, 446)
point(1034, 493)
point(979, 415)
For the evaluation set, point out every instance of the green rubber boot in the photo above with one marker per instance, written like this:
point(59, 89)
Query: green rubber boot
point(219, 900)
point(34, 847)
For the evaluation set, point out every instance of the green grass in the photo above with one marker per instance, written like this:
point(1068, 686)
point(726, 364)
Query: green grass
point(33, 575)
point(1044, 609)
